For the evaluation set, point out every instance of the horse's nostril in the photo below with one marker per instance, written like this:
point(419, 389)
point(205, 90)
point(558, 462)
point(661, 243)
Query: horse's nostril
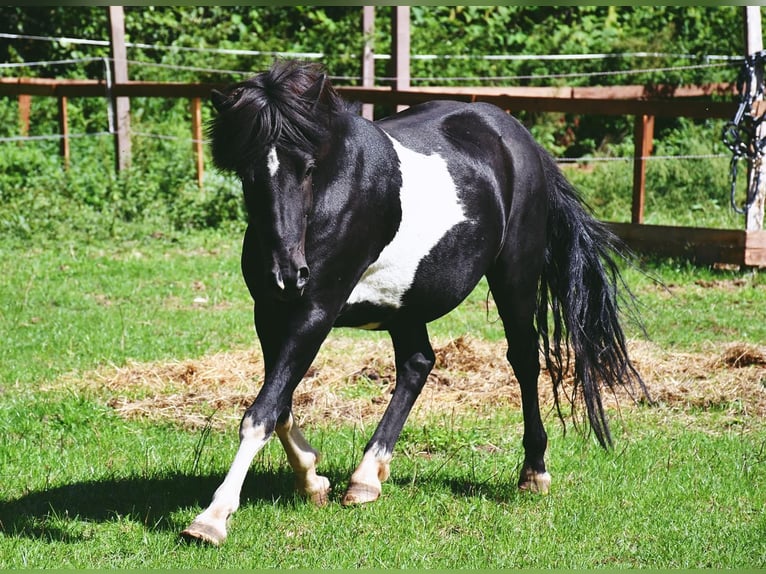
point(303, 277)
point(290, 283)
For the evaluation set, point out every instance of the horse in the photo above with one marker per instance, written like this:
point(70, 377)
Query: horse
point(388, 225)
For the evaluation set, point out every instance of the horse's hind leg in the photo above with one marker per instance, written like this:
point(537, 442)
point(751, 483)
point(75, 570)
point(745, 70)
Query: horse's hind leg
point(514, 290)
point(414, 360)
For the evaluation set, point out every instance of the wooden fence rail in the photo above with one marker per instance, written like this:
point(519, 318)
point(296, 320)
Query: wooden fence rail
point(644, 104)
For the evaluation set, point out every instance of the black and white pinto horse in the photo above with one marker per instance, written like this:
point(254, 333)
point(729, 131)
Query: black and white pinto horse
point(390, 225)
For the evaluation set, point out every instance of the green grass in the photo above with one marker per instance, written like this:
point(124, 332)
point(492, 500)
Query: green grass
point(673, 495)
point(693, 308)
point(84, 488)
point(78, 305)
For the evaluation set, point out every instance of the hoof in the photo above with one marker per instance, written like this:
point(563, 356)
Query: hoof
point(320, 494)
point(199, 532)
point(534, 482)
point(358, 493)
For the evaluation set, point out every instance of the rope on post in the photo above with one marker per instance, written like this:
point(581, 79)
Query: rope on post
point(742, 135)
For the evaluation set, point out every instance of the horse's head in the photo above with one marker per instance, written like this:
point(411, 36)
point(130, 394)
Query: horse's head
point(271, 131)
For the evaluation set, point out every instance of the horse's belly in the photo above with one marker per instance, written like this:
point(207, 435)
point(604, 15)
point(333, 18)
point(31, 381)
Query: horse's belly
point(431, 207)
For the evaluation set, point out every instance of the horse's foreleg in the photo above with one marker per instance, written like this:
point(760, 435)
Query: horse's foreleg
point(366, 483)
point(289, 345)
point(414, 360)
point(210, 525)
point(303, 459)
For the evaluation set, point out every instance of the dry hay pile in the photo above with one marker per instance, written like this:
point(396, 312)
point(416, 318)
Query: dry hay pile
point(352, 379)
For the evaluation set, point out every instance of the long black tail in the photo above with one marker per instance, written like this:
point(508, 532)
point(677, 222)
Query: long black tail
point(579, 285)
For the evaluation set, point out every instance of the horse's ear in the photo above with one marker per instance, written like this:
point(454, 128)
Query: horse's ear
point(222, 101)
point(219, 100)
point(316, 90)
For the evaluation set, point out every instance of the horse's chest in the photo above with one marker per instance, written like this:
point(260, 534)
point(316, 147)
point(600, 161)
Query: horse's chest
point(430, 209)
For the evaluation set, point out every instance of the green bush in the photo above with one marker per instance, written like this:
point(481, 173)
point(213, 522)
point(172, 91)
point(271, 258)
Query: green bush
point(159, 192)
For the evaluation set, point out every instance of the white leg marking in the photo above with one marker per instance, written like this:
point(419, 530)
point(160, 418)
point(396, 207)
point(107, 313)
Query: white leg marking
point(535, 482)
point(303, 459)
point(365, 484)
point(210, 525)
point(272, 162)
point(430, 208)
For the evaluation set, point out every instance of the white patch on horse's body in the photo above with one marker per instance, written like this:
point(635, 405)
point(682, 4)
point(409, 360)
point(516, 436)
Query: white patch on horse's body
point(272, 162)
point(430, 208)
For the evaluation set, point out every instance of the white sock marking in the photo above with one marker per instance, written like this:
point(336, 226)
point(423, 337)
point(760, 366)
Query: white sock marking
point(226, 497)
point(303, 459)
point(430, 208)
point(374, 467)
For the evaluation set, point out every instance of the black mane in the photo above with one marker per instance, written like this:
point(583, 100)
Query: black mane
point(290, 106)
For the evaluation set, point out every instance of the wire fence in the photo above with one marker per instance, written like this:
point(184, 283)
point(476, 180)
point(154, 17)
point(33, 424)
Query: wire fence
point(54, 137)
point(708, 62)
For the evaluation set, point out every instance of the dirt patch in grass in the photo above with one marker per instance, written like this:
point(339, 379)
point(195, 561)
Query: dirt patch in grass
point(352, 379)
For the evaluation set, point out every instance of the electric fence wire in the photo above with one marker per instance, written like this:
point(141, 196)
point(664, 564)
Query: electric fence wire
point(52, 137)
point(417, 79)
point(48, 63)
point(630, 72)
point(413, 79)
point(710, 61)
point(159, 47)
point(313, 55)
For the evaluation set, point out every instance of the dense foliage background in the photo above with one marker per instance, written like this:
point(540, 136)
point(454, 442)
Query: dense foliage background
point(684, 32)
point(676, 45)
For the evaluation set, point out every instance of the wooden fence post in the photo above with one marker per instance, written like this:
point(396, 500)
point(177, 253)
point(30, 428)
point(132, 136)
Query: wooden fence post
point(643, 134)
point(64, 130)
point(368, 55)
point(121, 105)
point(757, 174)
point(25, 107)
point(400, 48)
point(199, 152)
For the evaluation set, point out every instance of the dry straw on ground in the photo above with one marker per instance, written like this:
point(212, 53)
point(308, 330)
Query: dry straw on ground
point(352, 379)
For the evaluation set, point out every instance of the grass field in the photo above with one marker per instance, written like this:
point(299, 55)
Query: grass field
point(84, 485)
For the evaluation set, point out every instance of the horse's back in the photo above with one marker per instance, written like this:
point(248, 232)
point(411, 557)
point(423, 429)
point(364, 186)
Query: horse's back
point(478, 140)
point(491, 156)
point(426, 124)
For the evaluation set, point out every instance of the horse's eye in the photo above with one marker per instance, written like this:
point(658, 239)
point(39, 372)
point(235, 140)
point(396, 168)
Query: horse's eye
point(309, 171)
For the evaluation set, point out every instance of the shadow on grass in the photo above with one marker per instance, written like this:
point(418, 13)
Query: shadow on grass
point(58, 514)
point(50, 514)
point(493, 490)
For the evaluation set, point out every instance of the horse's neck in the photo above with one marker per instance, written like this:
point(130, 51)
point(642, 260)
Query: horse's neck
point(362, 171)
